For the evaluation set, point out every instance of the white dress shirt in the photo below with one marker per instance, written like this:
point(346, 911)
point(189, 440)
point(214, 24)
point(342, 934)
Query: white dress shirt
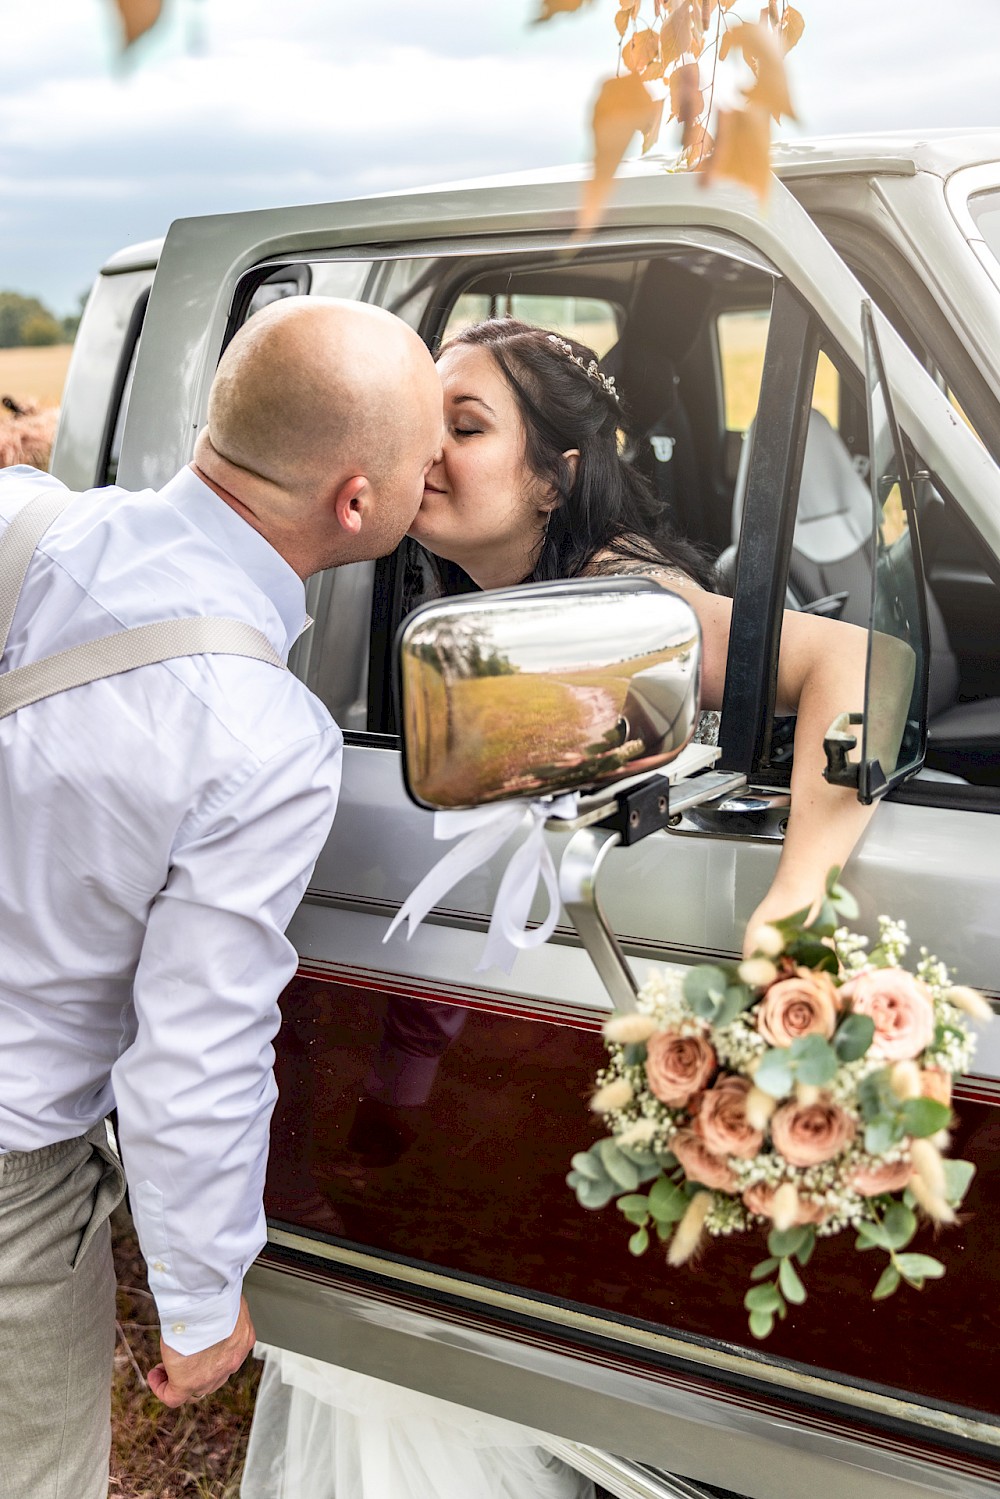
point(157, 830)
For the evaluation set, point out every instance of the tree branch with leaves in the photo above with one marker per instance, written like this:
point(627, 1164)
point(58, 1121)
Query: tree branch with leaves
point(668, 69)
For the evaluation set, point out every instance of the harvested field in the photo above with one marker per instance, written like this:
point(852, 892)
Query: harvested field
point(34, 374)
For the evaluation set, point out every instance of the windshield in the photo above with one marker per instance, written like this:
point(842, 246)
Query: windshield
point(985, 211)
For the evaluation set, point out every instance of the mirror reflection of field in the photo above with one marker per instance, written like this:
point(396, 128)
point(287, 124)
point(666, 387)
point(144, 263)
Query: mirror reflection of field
point(34, 374)
point(478, 739)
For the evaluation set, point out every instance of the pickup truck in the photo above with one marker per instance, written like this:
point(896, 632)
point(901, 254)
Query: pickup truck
point(426, 1236)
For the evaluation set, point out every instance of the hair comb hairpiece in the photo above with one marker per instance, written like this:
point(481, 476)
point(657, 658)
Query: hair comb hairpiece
point(592, 370)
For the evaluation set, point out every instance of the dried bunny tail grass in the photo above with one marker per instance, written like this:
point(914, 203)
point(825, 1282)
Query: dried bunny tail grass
point(757, 973)
point(928, 1165)
point(786, 1207)
point(936, 1208)
point(971, 1001)
point(759, 1107)
point(769, 941)
point(614, 1095)
point(806, 1094)
point(905, 1080)
point(629, 1029)
point(941, 1141)
point(687, 1237)
point(639, 1133)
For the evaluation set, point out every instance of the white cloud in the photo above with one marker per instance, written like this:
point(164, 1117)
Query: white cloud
point(318, 99)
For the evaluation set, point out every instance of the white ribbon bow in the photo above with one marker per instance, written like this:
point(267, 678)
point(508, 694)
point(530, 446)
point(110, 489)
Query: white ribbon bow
point(486, 830)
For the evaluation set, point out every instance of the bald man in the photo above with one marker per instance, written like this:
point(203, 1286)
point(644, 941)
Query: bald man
point(159, 825)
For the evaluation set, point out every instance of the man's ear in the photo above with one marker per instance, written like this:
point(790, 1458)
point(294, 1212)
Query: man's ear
point(350, 503)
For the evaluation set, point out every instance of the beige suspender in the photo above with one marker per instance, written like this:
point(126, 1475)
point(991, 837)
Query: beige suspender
point(124, 650)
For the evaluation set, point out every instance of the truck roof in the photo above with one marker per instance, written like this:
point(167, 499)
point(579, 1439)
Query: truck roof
point(889, 153)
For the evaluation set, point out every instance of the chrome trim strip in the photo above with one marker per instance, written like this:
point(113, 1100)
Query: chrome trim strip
point(738, 1364)
point(564, 936)
point(621, 1478)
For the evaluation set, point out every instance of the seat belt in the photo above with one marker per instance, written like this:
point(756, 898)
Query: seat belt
point(110, 655)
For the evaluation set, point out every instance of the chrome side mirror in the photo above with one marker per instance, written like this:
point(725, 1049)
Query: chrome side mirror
point(548, 687)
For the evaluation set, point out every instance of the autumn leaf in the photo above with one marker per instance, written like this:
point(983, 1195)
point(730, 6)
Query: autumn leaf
point(549, 8)
point(761, 50)
point(640, 50)
point(742, 149)
point(698, 145)
point(791, 29)
point(652, 131)
point(623, 106)
point(676, 35)
point(687, 102)
point(137, 16)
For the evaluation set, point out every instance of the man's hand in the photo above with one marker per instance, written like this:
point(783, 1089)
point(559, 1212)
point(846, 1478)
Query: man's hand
point(182, 1377)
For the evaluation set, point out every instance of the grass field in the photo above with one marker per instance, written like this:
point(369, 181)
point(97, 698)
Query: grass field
point(34, 374)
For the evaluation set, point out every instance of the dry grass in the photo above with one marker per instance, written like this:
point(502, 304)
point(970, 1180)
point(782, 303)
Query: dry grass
point(193, 1453)
point(34, 374)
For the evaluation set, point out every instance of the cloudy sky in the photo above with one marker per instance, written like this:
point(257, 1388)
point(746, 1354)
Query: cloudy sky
point(248, 103)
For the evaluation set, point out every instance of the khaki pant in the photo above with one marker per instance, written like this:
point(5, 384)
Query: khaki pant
point(57, 1318)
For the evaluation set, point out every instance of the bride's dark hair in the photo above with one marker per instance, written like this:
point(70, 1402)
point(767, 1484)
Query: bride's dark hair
point(604, 504)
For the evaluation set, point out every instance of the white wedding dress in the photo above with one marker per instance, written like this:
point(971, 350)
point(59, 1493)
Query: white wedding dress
point(325, 1433)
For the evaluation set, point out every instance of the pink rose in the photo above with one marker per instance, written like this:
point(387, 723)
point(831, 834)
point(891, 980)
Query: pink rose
point(804, 1004)
point(722, 1121)
point(879, 1177)
point(700, 1165)
point(807, 1134)
point(936, 1083)
point(760, 1200)
point(678, 1066)
point(901, 1007)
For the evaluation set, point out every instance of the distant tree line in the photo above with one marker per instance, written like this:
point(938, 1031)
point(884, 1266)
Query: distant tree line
point(25, 322)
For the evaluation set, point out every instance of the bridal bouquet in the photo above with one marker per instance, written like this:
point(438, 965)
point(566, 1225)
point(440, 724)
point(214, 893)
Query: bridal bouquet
point(804, 1092)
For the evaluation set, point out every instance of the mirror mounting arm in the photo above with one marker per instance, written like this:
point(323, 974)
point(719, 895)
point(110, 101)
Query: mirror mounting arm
point(864, 776)
point(586, 850)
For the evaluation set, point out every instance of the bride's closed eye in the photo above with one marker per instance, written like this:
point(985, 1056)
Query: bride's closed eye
point(466, 431)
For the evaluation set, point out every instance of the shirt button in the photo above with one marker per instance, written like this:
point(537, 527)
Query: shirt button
point(159, 1265)
point(179, 1327)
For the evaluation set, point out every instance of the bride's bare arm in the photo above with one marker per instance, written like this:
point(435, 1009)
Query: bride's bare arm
point(821, 673)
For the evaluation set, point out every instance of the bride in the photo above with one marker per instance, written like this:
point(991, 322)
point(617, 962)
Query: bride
point(530, 486)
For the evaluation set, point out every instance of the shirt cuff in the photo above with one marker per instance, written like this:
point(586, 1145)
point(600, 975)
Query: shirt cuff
point(189, 1326)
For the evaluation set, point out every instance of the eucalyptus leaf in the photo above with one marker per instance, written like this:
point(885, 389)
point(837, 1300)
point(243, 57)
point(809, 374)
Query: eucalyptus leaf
point(587, 1165)
point(596, 1194)
point(639, 1155)
point(705, 989)
point(791, 1285)
point(825, 922)
point(874, 1235)
point(883, 1133)
point(574, 1179)
point(794, 922)
point(873, 1094)
point(621, 1170)
point(737, 999)
point(774, 1075)
point(766, 1267)
point(919, 1266)
point(957, 1179)
point(760, 1324)
point(814, 1060)
point(633, 1202)
point(854, 1036)
point(762, 1299)
point(900, 1224)
point(812, 954)
point(667, 1202)
point(639, 1242)
point(634, 1053)
point(888, 1282)
point(832, 876)
point(785, 1241)
point(805, 1253)
point(923, 1116)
